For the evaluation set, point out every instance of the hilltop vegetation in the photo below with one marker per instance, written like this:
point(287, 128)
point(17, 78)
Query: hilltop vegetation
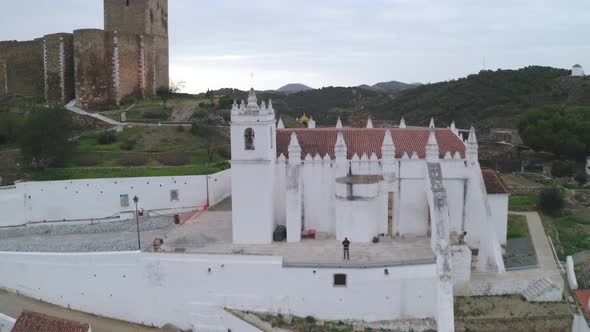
point(488, 99)
point(563, 130)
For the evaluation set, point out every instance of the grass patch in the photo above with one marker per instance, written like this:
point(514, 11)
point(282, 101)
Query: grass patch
point(517, 226)
point(54, 174)
point(522, 200)
point(573, 233)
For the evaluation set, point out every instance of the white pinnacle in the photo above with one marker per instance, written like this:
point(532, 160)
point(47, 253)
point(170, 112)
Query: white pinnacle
point(472, 138)
point(280, 125)
point(431, 123)
point(402, 123)
point(294, 141)
point(432, 137)
point(340, 139)
point(387, 140)
point(339, 123)
point(369, 123)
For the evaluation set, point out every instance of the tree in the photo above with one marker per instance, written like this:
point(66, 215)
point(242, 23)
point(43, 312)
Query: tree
point(206, 126)
point(564, 131)
point(551, 201)
point(581, 178)
point(166, 93)
point(359, 116)
point(10, 126)
point(561, 169)
point(45, 137)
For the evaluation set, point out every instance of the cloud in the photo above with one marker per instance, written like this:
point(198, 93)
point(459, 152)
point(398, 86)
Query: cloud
point(217, 44)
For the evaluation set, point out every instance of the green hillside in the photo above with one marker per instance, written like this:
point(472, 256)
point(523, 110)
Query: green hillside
point(488, 99)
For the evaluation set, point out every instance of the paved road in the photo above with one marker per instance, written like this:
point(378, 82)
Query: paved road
point(12, 305)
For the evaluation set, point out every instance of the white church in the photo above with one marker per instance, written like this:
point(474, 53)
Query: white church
point(359, 183)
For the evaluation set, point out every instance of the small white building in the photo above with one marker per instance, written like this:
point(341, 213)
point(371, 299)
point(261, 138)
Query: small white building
point(577, 71)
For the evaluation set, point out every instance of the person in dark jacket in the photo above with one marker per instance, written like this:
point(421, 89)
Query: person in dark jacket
point(346, 245)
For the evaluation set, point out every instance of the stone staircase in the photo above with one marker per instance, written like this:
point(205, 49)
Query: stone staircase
point(541, 290)
point(71, 106)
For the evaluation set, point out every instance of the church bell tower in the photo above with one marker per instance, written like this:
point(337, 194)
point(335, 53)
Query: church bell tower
point(253, 150)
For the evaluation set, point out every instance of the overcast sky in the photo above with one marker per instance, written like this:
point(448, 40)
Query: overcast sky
point(216, 44)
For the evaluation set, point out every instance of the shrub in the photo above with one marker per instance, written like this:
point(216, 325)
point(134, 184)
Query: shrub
point(551, 201)
point(89, 159)
point(180, 129)
point(563, 168)
point(128, 144)
point(225, 151)
point(106, 138)
point(155, 115)
point(581, 178)
point(133, 159)
point(176, 158)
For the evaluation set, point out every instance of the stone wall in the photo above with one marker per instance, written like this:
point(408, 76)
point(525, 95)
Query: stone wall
point(149, 19)
point(94, 68)
point(111, 66)
point(137, 17)
point(129, 65)
point(98, 67)
point(24, 67)
point(161, 63)
point(59, 68)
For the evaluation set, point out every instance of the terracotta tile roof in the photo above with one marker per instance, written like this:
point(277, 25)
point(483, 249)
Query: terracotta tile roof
point(582, 295)
point(35, 322)
point(494, 185)
point(363, 140)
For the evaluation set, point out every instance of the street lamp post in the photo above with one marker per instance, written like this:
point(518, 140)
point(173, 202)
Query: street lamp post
point(135, 200)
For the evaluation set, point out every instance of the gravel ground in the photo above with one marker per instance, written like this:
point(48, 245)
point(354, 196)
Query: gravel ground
point(145, 224)
point(117, 236)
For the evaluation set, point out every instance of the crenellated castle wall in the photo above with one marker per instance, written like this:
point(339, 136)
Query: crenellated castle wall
point(59, 68)
point(24, 67)
point(100, 68)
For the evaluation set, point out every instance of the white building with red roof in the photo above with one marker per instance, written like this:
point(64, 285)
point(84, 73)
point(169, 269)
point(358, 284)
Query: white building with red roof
point(368, 185)
point(356, 183)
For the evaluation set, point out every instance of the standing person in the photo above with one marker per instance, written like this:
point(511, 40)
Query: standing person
point(346, 245)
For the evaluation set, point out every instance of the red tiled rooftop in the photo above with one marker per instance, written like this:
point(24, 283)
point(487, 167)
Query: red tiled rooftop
point(362, 140)
point(582, 295)
point(35, 322)
point(494, 185)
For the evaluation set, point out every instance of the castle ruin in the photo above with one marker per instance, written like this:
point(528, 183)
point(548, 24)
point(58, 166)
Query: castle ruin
point(98, 68)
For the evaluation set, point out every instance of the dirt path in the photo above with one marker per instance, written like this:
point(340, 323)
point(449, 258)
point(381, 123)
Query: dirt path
point(12, 305)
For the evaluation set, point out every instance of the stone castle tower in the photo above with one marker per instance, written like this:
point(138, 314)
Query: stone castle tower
point(98, 68)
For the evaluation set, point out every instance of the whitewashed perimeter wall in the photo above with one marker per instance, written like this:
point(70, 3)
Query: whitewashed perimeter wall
point(411, 213)
point(499, 210)
point(156, 289)
point(101, 198)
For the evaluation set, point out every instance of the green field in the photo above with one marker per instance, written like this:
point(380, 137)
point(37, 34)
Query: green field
point(522, 200)
point(573, 233)
point(54, 174)
point(151, 146)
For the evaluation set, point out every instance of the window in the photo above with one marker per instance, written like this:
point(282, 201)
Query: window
point(124, 200)
point(249, 139)
point(174, 195)
point(339, 279)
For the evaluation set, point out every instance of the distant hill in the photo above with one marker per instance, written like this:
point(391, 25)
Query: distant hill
point(391, 86)
point(294, 88)
point(488, 99)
